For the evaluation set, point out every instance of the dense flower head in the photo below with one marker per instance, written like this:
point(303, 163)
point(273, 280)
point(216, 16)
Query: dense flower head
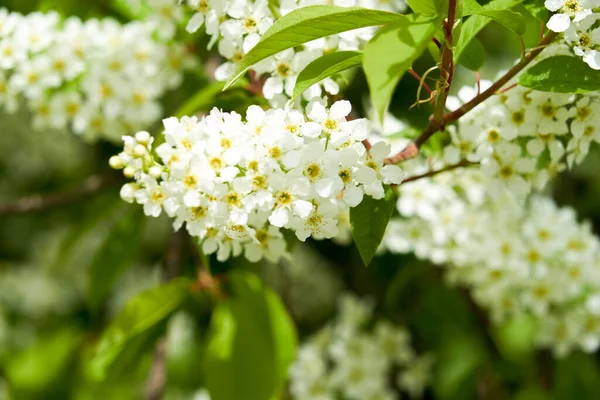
point(236, 183)
point(98, 77)
point(580, 24)
point(235, 26)
point(534, 260)
point(347, 360)
point(522, 138)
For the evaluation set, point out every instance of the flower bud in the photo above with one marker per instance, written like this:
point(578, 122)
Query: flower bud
point(155, 172)
point(139, 151)
point(142, 137)
point(116, 162)
point(129, 172)
point(128, 192)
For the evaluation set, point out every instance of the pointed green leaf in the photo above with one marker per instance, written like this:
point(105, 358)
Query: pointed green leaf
point(510, 19)
point(391, 53)
point(324, 67)
point(429, 7)
point(476, 23)
point(369, 220)
point(473, 56)
point(310, 23)
point(561, 74)
point(134, 328)
point(251, 344)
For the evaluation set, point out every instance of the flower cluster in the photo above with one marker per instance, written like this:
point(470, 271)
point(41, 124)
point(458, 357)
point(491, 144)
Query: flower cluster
point(346, 361)
point(534, 260)
point(579, 22)
point(235, 26)
point(235, 183)
point(98, 77)
point(522, 138)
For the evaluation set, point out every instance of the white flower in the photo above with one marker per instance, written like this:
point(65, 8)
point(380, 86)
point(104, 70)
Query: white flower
point(235, 182)
point(568, 9)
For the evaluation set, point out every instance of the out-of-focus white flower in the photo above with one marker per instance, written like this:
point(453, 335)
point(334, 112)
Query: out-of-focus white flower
point(98, 77)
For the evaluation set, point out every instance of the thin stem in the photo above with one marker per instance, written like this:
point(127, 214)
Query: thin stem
point(496, 86)
point(429, 174)
point(435, 125)
point(446, 66)
point(420, 79)
point(274, 10)
point(157, 379)
point(506, 89)
point(38, 202)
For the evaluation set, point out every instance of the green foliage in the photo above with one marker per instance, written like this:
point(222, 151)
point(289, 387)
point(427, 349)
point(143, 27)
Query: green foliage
point(473, 56)
point(515, 339)
point(562, 74)
point(429, 7)
point(459, 361)
point(391, 53)
point(324, 67)
point(34, 369)
point(85, 238)
point(306, 24)
point(510, 19)
point(577, 377)
point(369, 220)
point(115, 255)
point(477, 22)
point(204, 99)
point(251, 343)
point(136, 327)
point(537, 9)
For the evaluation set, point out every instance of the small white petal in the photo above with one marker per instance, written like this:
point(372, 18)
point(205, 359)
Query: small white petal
point(559, 23)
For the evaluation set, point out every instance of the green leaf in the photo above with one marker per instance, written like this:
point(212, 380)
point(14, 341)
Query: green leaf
point(510, 19)
point(310, 23)
point(476, 23)
point(576, 377)
point(251, 344)
point(515, 339)
point(115, 255)
point(537, 9)
point(391, 53)
point(473, 56)
point(532, 393)
point(324, 67)
point(135, 327)
point(204, 99)
point(561, 74)
point(40, 365)
point(369, 220)
point(430, 7)
point(458, 362)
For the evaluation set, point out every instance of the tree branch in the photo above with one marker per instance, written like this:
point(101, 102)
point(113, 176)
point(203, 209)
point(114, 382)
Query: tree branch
point(446, 66)
point(433, 126)
point(38, 202)
point(460, 164)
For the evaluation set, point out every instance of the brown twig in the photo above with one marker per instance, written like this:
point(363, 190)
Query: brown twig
point(157, 379)
point(446, 65)
point(435, 125)
point(460, 164)
point(40, 202)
